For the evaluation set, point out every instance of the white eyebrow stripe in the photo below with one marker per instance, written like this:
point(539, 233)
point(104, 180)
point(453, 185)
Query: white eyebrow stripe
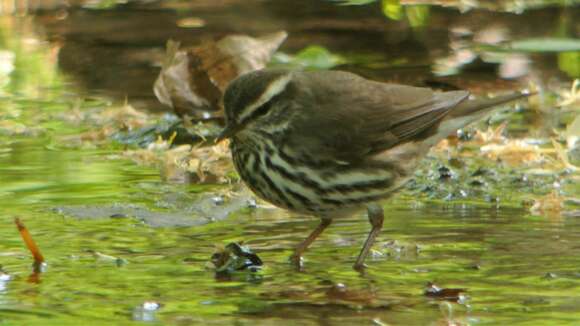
point(276, 87)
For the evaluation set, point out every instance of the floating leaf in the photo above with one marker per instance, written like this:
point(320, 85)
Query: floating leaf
point(108, 258)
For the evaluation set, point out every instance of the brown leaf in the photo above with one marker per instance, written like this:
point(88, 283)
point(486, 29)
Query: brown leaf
point(193, 80)
point(340, 292)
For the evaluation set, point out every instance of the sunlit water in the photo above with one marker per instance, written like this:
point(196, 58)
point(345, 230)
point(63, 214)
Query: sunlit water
point(517, 268)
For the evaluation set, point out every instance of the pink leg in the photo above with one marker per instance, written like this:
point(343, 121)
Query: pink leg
point(376, 218)
point(297, 256)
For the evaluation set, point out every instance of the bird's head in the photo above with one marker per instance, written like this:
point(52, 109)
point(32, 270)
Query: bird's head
point(251, 99)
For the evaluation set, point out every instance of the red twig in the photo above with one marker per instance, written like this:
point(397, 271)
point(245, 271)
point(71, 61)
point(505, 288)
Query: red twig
point(30, 244)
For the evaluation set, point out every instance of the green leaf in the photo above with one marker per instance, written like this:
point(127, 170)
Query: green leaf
point(569, 62)
point(312, 57)
point(546, 45)
point(392, 9)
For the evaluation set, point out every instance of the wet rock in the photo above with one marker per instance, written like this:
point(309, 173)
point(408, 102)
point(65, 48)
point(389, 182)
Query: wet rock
point(190, 212)
point(235, 257)
point(445, 173)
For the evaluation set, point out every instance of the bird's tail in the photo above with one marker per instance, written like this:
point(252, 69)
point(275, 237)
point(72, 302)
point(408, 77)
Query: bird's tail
point(470, 111)
point(472, 107)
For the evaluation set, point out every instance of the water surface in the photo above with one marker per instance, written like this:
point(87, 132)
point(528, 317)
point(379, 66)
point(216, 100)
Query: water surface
point(517, 267)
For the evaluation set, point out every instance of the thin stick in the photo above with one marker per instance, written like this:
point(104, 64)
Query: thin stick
point(30, 244)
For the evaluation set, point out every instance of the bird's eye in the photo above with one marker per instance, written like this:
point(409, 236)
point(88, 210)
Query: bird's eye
point(263, 109)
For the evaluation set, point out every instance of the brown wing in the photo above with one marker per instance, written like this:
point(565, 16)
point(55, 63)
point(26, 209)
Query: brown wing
point(344, 117)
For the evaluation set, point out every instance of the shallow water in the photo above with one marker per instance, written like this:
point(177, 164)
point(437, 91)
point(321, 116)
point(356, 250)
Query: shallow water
point(516, 267)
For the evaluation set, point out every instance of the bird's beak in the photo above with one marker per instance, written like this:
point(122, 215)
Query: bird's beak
point(228, 132)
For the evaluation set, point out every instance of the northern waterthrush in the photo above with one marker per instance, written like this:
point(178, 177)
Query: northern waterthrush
point(330, 143)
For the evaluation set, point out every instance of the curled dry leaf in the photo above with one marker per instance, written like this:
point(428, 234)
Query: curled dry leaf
point(192, 81)
point(185, 163)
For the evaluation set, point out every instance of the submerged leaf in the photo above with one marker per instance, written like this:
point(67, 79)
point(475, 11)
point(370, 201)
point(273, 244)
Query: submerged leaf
point(456, 295)
point(108, 258)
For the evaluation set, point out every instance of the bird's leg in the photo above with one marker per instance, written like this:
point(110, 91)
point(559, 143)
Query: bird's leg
point(297, 256)
point(376, 217)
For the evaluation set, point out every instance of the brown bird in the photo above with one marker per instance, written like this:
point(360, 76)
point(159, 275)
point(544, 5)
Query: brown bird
point(330, 143)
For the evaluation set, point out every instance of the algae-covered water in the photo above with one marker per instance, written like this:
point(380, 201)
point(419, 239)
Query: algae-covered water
point(125, 244)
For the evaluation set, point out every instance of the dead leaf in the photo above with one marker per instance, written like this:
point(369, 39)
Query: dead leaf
point(192, 81)
point(513, 152)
